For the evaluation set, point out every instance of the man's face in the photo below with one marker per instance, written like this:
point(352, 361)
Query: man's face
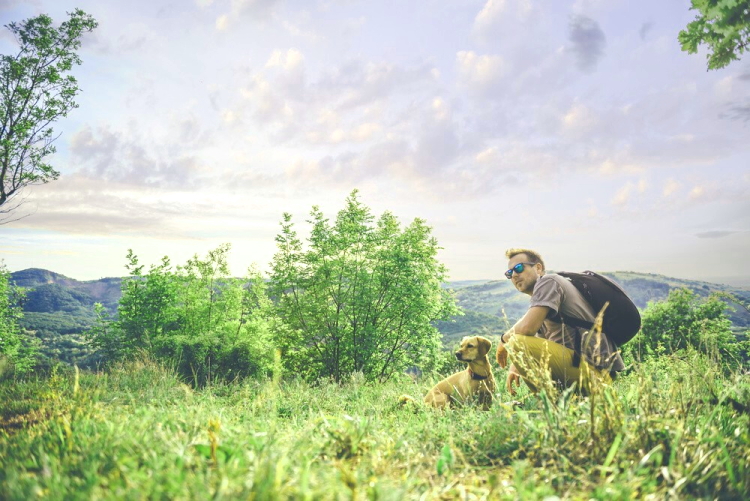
point(525, 280)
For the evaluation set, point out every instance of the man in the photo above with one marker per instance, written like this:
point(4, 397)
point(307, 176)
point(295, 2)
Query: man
point(541, 342)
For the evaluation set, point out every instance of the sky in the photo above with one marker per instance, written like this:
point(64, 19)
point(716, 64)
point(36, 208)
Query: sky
point(576, 128)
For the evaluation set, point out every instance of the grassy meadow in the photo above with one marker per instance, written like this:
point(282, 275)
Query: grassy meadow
point(676, 427)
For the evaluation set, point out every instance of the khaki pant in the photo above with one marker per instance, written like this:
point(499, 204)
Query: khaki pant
point(535, 358)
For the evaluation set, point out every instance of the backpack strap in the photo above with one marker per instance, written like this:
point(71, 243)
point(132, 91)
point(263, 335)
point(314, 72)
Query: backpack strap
point(577, 341)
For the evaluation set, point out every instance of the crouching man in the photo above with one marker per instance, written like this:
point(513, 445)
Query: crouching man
point(540, 343)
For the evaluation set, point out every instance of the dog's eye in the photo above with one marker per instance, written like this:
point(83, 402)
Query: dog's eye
point(469, 345)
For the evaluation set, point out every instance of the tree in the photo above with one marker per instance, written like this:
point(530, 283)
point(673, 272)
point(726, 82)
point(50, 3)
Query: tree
point(363, 297)
point(722, 25)
point(36, 90)
point(15, 348)
point(146, 311)
point(686, 320)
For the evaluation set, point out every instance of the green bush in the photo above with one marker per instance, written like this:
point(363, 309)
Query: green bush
point(198, 318)
point(686, 320)
point(361, 297)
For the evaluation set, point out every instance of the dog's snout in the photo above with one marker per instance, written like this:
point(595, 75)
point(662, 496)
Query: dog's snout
point(458, 355)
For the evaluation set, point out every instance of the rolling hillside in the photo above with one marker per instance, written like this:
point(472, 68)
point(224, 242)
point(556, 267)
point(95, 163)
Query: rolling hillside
point(59, 309)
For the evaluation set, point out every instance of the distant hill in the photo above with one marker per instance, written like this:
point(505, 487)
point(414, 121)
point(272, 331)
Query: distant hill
point(496, 304)
point(59, 309)
point(51, 284)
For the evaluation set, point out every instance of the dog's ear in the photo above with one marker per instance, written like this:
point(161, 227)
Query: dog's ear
point(484, 345)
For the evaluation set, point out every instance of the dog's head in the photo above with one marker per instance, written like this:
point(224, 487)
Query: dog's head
point(473, 348)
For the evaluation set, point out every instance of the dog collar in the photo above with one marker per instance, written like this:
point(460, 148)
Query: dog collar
point(476, 376)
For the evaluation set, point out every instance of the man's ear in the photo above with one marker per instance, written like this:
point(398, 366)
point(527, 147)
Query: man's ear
point(483, 345)
point(539, 269)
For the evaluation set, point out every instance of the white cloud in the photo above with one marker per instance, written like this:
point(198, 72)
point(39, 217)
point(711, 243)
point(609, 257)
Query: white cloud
point(682, 138)
point(481, 73)
point(611, 166)
point(151, 158)
point(365, 132)
point(441, 109)
point(291, 60)
point(723, 88)
point(222, 22)
point(489, 16)
point(592, 211)
point(297, 31)
point(359, 134)
point(229, 117)
point(486, 156)
point(579, 120)
point(241, 10)
point(267, 105)
point(498, 16)
point(697, 192)
point(623, 194)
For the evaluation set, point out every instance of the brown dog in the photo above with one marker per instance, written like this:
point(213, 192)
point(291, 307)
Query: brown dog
point(476, 380)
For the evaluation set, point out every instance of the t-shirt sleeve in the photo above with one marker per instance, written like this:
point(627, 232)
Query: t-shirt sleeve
point(547, 292)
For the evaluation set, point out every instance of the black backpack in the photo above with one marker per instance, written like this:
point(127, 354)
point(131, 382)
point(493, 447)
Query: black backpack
point(621, 321)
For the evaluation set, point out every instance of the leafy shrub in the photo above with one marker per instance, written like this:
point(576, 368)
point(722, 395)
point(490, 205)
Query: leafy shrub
point(686, 320)
point(198, 318)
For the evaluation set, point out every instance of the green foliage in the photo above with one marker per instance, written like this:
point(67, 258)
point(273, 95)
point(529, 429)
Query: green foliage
point(36, 90)
point(197, 317)
point(488, 306)
point(146, 310)
point(17, 350)
point(723, 26)
point(687, 320)
point(58, 323)
point(362, 297)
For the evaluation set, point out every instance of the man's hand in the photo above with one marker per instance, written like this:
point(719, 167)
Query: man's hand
point(513, 378)
point(502, 354)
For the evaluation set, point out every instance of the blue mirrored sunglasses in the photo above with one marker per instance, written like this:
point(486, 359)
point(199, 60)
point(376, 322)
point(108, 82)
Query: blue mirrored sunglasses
point(517, 268)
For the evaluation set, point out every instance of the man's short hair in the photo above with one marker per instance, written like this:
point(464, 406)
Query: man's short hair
point(533, 256)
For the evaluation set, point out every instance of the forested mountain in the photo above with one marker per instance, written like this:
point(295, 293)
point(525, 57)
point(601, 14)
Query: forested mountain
point(59, 309)
point(52, 288)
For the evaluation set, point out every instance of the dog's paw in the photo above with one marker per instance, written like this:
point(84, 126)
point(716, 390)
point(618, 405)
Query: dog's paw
point(408, 402)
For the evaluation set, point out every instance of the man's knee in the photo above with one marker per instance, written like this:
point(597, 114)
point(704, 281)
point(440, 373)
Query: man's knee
point(520, 343)
point(530, 347)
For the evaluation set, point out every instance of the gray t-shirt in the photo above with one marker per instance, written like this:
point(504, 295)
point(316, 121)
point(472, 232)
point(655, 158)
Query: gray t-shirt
point(561, 296)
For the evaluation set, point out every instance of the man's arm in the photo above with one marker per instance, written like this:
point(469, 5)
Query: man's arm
point(529, 324)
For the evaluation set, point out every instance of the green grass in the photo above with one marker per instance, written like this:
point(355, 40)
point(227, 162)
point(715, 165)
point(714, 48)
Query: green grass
point(676, 427)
